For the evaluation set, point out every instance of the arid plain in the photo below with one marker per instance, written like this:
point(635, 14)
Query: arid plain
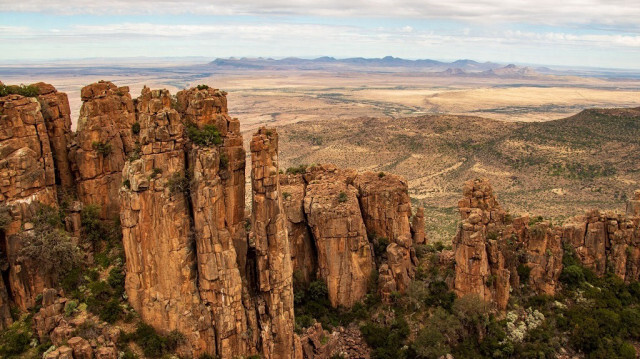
point(437, 127)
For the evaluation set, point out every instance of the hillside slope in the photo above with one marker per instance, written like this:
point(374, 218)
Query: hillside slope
point(557, 168)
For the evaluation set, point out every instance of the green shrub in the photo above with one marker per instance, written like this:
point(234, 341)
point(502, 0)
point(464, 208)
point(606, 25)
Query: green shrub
point(155, 172)
point(286, 195)
point(23, 90)
point(207, 136)
point(524, 272)
point(93, 229)
point(179, 183)
point(380, 245)
point(49, 245)
point(14, 341)
point(70, 307)
point(202, 87)
point(5, 217)
point(342, 197)
point(381, 174)
point(386, 341)
point(572, 275)
point(126, 183)
point(224, 161)
point(102, 148)
point(297, 170)
point(135, 128)
point(440, 295)
point(152, 344)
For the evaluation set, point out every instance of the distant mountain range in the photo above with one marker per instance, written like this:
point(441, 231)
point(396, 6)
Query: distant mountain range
point(389, 63)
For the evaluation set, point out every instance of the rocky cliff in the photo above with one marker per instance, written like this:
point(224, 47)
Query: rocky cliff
point(27, 178)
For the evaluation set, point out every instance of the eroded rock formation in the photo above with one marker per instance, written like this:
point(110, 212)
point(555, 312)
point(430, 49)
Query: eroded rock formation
point(104, 139)
point(271, 244)
point(158, 236)
point(492, 250)
point(57, 118)
point(386, 210)
point(345, 259)
point(302, 247)
point(27, 178)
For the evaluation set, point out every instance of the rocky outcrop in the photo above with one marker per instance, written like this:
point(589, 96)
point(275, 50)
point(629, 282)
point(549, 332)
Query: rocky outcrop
point(27, 178)
point(104, 139)
point(302, 246)
point(52, 324)
point(480, 265)
point(633, 205)
point(418, 227)
point(495, 254)
point(271, 244)
point(345, 259)
point(159, 241)
point(386, 210)
point(57, 118)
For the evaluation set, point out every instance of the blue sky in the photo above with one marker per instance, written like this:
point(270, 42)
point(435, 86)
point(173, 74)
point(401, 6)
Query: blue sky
point(601, 33)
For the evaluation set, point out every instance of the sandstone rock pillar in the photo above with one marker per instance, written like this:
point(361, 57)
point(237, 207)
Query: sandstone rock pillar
point(57, 118)
point(273, 260)
point(159, 244)
point(345, 260)
point(104, 140)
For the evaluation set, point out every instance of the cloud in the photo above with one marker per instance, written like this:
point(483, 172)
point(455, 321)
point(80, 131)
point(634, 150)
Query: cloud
point(552, 12)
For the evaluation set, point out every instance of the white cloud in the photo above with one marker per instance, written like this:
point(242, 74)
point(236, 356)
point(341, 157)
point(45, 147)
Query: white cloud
point(554, 12)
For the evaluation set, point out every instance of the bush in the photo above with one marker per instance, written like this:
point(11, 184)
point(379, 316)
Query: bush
point(202, 87)
point(5, 217)
point(224, 161)
point(135, 129)
point(48, 245)
point(572, 275)
point(342, 197)
point(386, 341)
point(297, 170)
point(154, 345)
point(380, 245)
point(102, 148)
point(23, 90)
point(92, 227)
point(179, 183)
point(207, 136)
point(14, 341)
point(524, 272)
point(155, 172)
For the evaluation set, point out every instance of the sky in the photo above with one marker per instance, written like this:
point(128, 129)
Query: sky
point(590, 33)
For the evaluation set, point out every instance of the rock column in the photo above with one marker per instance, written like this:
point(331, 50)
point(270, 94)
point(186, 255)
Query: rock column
point(273, 260)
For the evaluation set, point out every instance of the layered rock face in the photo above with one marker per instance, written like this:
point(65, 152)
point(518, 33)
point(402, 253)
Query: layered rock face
point(57, 117)
point(301, 245)
point(271, 242)
point(478, 259)
point(334, 215)
point(158, 237)
point(27, 178)
point(208, 106)
point(104, 139)
point(489, 247)
point(386, 210)
point(345, 259)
